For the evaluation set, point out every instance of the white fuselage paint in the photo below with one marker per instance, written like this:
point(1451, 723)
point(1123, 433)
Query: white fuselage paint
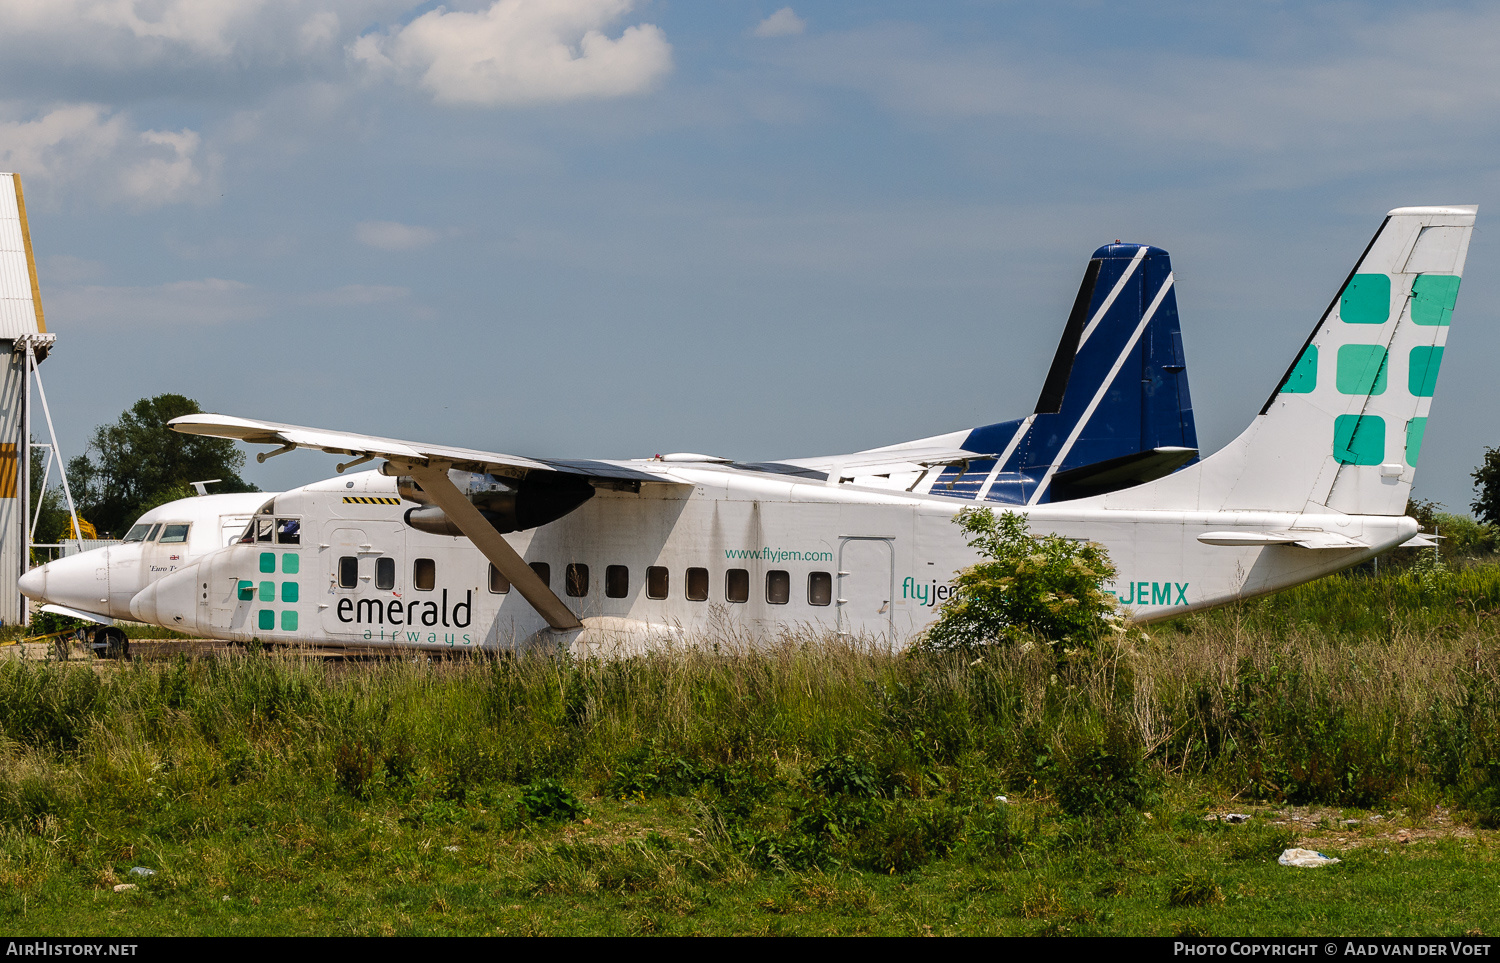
point(891, 558)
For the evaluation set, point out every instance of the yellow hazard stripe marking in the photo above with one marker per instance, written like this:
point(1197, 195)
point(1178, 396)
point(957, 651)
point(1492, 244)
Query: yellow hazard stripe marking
point(9, 469)
point(370, 500)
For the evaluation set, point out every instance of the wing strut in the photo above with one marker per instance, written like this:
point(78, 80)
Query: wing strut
point(461, 511)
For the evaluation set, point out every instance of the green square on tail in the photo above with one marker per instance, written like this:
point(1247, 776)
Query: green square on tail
point(267, 562)
point(1361, 369)
point(1366, 300)
point(266, 619)
point(1422, 372)
point(1414, 431)
point(1433, 297)
point(1304, 374)
point(289, 591)
point(289, 621)
point(289, 563)
point(247, 590)
point(1359, 439)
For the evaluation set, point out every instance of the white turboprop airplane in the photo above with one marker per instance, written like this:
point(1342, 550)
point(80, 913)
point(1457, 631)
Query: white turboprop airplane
point(1114, 411)
point(687, 545)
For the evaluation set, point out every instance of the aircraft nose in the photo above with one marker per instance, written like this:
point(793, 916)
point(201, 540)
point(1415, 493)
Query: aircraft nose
point(33, 584)
point(78, 581)
point(170, 601)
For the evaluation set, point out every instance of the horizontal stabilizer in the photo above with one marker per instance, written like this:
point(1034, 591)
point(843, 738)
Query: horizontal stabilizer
point(1313, 540)
point(1421, 540)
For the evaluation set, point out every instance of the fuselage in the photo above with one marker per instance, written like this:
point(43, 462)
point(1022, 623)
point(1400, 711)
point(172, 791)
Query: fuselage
point(723, 554)
point(169, 537)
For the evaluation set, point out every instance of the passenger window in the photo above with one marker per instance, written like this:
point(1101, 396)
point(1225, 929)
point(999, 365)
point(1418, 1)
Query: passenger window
point(697, 584)
point(819, 588)
point(385, 573)
point(616, 581)
point(499, 584)
point(778, 587)
point(348, 571)
point(424, 575)
point(288, 531)
point(174, 533)
point(656, 582)
point(577, 580)
point(543, 571)
point(737, 585)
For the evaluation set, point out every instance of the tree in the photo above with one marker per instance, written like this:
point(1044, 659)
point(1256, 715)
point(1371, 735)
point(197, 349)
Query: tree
point(1487, 486)
point(52, 523)
point(1050, 587)
point(138, 463)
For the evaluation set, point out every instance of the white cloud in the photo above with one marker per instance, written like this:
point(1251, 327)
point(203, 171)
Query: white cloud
point(391, 236)
point(206, 302)
point(122, 33)
point(88, 148)
point(782, 23)
point(522, 52)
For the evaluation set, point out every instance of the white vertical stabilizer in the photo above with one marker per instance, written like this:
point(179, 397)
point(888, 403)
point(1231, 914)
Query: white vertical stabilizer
point(1344, 429)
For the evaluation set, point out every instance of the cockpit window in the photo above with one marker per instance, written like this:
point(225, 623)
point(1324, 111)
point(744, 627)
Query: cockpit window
point(174, 533)
point(137, 532)
point(154, 529)
point(288, 531)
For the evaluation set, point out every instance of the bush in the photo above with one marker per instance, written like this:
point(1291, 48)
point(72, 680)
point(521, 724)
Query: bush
point(1031, 586)
point(548, 801)
point(1103, 775)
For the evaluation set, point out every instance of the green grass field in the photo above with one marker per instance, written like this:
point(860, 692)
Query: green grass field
point(797, 788)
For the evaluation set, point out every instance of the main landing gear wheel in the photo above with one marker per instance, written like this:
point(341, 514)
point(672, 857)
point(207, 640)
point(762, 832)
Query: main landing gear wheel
point(111, 643)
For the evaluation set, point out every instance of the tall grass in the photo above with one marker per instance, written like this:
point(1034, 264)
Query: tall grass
point(1349, 691)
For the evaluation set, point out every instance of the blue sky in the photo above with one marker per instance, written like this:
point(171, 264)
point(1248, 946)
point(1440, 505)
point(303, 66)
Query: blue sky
point(596, 228)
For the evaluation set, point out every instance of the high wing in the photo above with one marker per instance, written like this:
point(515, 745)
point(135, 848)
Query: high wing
point(429, 465)
point(369, 447)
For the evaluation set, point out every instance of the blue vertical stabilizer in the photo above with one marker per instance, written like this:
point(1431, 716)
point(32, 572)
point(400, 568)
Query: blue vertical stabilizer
point(1114, 410)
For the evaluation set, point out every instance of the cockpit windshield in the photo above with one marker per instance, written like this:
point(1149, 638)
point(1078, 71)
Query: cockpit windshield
point(138, 532)
point(174, 533)
point(283, 531)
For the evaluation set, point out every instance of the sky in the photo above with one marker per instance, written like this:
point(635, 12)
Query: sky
point(606, 229)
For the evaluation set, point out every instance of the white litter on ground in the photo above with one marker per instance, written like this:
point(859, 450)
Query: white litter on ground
point(1305, 858)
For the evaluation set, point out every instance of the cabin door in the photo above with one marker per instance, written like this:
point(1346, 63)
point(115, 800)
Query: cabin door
point(867, 582)
point(349, 570)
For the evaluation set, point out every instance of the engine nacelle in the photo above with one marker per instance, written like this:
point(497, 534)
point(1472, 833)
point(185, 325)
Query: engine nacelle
point(509, 504)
